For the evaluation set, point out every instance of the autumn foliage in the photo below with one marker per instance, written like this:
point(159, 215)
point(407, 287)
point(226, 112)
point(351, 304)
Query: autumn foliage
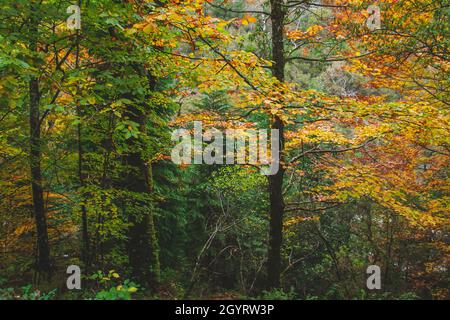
point(364, 121)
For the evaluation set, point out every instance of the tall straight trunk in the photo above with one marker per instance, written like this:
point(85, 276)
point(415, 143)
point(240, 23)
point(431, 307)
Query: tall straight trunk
point(143, 248)
point(85, 250)
point(276, 181)
point(43, 248)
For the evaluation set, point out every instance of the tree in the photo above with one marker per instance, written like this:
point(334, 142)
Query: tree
point(43, 249)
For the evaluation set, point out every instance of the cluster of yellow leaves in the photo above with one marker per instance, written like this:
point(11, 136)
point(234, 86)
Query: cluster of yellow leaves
point(179, 22)
point(311, 32)
point(16, 231)
point(248, 19)
point(401, 56)
point(395, 181)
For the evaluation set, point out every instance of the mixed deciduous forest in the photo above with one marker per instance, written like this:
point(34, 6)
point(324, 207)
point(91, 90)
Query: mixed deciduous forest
point(89, 101)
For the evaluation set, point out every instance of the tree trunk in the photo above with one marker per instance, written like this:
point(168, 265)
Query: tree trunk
point(43, 248)
point(143, 241)
point(143, 250)
point(277, 17)
point(276, 219)
point(85, 248)
point(142, 244)
point(276, 181)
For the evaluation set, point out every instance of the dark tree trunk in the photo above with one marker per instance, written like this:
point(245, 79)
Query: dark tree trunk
point(277, 18)
point(276, 218)
point(143, 251)
point(276, 181)
point(43, 248)
point(142, 244)
point(85, 249)
point(143, 248)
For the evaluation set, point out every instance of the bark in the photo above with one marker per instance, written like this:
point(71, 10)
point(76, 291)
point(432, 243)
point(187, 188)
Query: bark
point(143, 251)
point(277, 18)
point(142, 244)
point(85, 250)
point(43, 248)
point(276, 220)
point(276, 181)
point(143, 241)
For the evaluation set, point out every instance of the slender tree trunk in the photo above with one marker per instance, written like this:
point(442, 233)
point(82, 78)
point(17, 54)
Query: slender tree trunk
point(85, 250)
point(276, 219)
point(276, 181)
point(155, 265)
point(43, 248)
point(277, 18)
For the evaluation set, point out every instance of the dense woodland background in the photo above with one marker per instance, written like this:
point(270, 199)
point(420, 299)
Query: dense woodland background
point(86, 178)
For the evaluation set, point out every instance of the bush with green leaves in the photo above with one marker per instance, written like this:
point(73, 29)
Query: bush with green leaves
point(111, 287)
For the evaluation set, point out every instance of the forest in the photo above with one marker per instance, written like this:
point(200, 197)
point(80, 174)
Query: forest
point(224, 149)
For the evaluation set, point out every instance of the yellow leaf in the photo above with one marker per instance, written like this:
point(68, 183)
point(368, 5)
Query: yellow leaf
point(150, 28)
point(132, 289)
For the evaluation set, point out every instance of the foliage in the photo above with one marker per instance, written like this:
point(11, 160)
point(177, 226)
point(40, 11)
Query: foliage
point(365, 153)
